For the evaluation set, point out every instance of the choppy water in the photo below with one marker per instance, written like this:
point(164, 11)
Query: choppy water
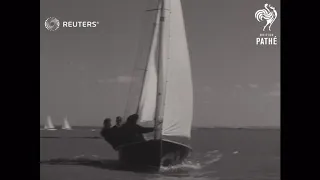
point(218, 154)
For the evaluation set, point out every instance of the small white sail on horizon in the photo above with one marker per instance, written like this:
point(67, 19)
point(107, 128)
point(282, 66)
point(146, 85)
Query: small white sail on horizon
point(66, 125)
point(49, 125)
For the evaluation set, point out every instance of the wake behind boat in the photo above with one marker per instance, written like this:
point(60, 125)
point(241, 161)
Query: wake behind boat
point(167, 94)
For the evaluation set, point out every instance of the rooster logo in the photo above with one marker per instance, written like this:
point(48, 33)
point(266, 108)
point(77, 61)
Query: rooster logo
point(267, 14)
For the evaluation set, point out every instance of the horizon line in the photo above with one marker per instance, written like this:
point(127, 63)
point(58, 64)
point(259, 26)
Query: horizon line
point(203, 127)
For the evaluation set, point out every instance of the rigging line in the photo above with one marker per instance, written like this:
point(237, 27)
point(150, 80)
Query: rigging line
point(139, 56)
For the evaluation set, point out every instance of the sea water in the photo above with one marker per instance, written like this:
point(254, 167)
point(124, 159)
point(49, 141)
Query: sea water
point(218, 154)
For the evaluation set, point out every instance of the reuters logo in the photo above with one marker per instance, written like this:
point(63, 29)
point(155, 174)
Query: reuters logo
point(52, 23)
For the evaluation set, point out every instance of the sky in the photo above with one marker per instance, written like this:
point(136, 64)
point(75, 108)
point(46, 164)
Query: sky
point(86, 73)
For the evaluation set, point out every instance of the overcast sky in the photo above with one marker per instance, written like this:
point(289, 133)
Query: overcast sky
point(85, 73)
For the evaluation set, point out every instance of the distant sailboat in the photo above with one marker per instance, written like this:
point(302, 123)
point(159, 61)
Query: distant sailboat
point(66, 125)
point(167, 94)
point(49, 125)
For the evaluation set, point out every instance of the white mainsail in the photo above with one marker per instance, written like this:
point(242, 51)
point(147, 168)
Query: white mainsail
point(66, 125)
point(49, 125)
point(171, 77)
point(178, 108)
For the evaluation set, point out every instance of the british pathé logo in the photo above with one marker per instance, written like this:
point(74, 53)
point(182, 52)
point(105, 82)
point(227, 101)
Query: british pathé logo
point(267, 15)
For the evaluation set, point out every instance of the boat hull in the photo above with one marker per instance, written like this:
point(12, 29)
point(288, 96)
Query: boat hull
point(153, 153)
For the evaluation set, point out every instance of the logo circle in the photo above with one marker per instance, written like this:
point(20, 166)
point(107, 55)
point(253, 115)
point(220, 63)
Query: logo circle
point(52, 24)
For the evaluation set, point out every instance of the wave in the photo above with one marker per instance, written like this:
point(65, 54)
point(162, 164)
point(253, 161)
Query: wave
point(195, 167)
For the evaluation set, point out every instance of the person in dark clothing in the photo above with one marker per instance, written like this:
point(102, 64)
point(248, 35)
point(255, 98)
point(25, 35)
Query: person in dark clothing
point(106, 131)
point(110, 134)
point(117, 134)
point(118, 122)
point(132, 131)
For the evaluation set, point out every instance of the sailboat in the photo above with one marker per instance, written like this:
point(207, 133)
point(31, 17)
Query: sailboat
point(66, 125)
point(49, 125)
point(166, 96)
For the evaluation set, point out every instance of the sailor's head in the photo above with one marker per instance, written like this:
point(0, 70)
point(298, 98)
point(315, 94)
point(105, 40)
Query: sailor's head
point(118, 120)
point(107, 122)
point(133, 119)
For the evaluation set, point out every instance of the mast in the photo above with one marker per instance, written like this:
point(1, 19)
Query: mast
point(161, 70)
